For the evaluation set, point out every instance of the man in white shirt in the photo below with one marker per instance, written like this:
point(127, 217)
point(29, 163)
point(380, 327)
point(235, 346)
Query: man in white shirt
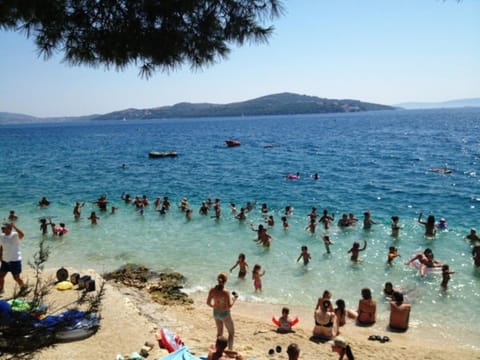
point(10, 255)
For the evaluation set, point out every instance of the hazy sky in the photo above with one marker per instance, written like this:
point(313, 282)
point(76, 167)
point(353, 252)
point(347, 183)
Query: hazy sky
point(383, 51)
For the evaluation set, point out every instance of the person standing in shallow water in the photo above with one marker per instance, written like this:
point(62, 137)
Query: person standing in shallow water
point(77, 210)
point(395, 226)
point(355, 251)
point(368, 221)
point(430, 228)
point(220, 300)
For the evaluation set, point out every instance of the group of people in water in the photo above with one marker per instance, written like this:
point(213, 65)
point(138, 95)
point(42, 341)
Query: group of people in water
point(347, 220)
point(327, 318)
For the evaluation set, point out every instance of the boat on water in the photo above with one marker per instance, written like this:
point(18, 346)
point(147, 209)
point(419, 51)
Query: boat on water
point(232, 143)
point(162, 154)
point(441, 170)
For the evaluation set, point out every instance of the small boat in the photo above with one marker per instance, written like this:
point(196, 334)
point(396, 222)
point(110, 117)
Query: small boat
point(443, 170)
point(158, 154)
point(232, 143)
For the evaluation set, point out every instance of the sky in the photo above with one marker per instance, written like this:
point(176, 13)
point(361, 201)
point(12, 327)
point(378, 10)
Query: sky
point(381, 51)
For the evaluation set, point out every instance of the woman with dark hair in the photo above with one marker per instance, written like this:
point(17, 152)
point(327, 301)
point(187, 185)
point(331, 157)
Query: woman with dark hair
point(399, 312)
point(429, 224)
point(426, 260)
point(367, 309)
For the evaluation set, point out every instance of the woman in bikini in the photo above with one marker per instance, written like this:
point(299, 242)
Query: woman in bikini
point(430, 228)
point(221, 301)
point(426, 260)
point(326, 324)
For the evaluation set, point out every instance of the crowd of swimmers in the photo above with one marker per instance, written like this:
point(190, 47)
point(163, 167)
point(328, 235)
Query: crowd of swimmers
point(327, 319)
point(314, 218)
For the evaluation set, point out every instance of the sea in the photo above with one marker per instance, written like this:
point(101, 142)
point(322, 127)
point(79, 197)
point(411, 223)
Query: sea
point(382, 162)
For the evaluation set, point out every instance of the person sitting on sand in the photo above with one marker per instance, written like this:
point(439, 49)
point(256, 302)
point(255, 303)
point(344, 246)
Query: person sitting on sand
point(221, 302)
point(285, 322)
point(340, 312)
point(219, 351)
point(326, 324)
point(327, 295)
point(399, 312)
point(367, 309)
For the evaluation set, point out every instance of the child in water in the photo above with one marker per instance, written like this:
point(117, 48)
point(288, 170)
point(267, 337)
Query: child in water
point(392, 254)
point(305, 255)
point(327, 243)
point(446, 276)
point(93, 218)
point(395, 226)
point(242, 265)
point(355, 251)
point(257, 275)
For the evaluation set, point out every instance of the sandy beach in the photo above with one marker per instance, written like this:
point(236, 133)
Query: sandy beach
point(130, 318)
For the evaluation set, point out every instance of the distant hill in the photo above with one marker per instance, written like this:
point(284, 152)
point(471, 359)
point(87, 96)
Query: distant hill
point(277, 104)
point(12, 118)
point(475, 102)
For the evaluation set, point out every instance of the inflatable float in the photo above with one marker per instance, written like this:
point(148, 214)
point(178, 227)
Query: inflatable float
point(418, 265)
point(293, 177)
point(285, 326)
point(81, 326)
point(22, 332)
point(168, 340)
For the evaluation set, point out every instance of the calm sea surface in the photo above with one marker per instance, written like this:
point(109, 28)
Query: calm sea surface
point(378, 161)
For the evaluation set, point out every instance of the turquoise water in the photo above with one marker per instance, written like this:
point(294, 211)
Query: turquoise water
point(378, 161)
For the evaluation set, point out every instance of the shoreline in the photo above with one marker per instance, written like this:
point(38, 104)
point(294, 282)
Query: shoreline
point(130, 318)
